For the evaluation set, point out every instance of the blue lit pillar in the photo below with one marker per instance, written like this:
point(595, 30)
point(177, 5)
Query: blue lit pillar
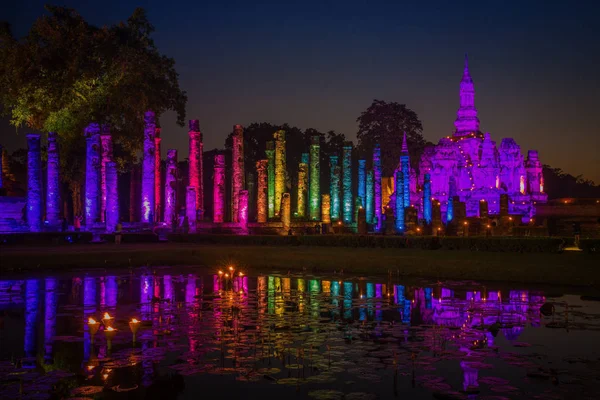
point(399, 202)
point(32, 292)
point(451, 194)
point(377, 185)
point(92, 174)
point(347, 181)
point(427, 199)
point(34, 183)
point(362, 182)
point(53, 182)
point(369, 199)
point(335, 187)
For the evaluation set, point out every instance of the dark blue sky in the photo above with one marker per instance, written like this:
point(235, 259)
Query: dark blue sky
point(320, 64)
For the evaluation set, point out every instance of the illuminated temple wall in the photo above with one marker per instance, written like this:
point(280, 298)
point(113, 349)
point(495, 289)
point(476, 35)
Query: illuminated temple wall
point(427, 199)
point(92, 174)
point(262, 201)
point(171, 187)
point(280, 168)
point(335, 187)
point(53, 202)
point(237, 175)
point(347, 182)
point(315, 180)
point(219, 189)
point(270, 154)
point(148, 168)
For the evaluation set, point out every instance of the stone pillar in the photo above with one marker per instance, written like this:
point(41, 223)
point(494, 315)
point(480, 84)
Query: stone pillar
point(171, 187)
point(107, 155)
point(195, 159)
point(483, 208)
point(302, 189)
point(305, 158)
point(92, 174)
point(219, 189)
point(377, 186)
point(362, 182)
point(503, 205)
point(347, 182)
point(262, 206)
point(112, 197)
point(400, 227)
point(190, 207)
point(361, 221)
point(326, 209)
point(280, 166)
point(158, 213)
point(34, 183)
point(427, 199)
point(148, 168)
point(251, 185)
point(315, 178)
point(334, 189)
point(237, 175)
point(369, 201)
point(243, 210)
point(270, 153)
point(53, 182)
point(286, 211)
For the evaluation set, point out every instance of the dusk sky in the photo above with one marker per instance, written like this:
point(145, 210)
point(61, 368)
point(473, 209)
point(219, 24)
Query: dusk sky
point(319, 64)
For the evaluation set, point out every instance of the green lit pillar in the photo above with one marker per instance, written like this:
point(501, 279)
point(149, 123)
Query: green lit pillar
point(334, 190)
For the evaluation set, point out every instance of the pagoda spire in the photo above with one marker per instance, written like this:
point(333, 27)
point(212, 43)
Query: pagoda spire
point(404, 145)
point(466, 119)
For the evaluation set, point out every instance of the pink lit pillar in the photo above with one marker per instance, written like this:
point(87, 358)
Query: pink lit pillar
point(112, 197)
point(92, 174)
point(148, 168)
point(237, 177)
point(171, 187)
point(53, 182)
point(190, 207)
point(157, 189)
point(195, 161)
point(107, 154)
point(34, 183)
point(219, 189)
point(243, 210)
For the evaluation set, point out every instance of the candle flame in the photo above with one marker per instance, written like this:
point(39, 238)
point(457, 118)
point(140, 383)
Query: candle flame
point(135, 321)
point(110, 329)
point(92, 321)
point(107, 316)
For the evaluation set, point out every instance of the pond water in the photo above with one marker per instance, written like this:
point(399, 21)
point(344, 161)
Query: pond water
point(205, 335)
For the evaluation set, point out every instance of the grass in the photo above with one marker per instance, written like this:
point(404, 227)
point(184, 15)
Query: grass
point(572, 269)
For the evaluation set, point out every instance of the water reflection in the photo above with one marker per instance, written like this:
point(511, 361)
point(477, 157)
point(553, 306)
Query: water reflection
point(252, 327)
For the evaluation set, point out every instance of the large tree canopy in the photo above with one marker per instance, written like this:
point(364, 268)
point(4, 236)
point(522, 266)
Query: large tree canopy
point(66, 73)
point(385, 123)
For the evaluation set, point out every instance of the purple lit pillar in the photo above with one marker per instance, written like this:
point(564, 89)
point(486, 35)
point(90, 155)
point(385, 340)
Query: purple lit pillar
point(112, 197)
point(171, 186)
point(53, 182)
point(107, 154)
point(92, 174)
point(148, 167)
point(243, 210)
point(219, 189)
point(49, 317)
point(377, 185)
point(157, 180)
point(237, 176)
point(89, 308)
point(190, 207)
point(34, 183)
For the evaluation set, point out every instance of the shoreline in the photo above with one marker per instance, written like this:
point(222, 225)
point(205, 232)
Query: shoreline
point(569, 269)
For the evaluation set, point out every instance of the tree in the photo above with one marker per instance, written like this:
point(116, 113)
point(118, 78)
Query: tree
point(66, 73)
point(559, 184)
point(385, 123)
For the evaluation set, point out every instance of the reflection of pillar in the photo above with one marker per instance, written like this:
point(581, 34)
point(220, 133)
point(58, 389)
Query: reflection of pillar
point(111, 289)
point(148, 168)
point(270, 153)
point(169, 289)
point(107, 155)
point(171, 187)
point(334, 189)
point(32, 293)
point(369, 200)
point(53, 181)
point(279, 168)
point(326, 209)
point(427, 199)
point(377, 185)
point(315, 178)
point(261, 204)
point(34, 183)
point(190, 289)
point(157, 178)
point(243, 210)
point(399, 202)
point(219, 189)
point(112, 197)
point(286, 212)
point(49, 316)
point(92, 174)
point(347, 181)
point(195, 157)
point(190, 207)
point(362, 182)
point(146, 297)
point(302, 189)
point(237, 175)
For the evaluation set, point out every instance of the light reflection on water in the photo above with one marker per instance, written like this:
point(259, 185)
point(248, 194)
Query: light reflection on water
point(322, 337)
